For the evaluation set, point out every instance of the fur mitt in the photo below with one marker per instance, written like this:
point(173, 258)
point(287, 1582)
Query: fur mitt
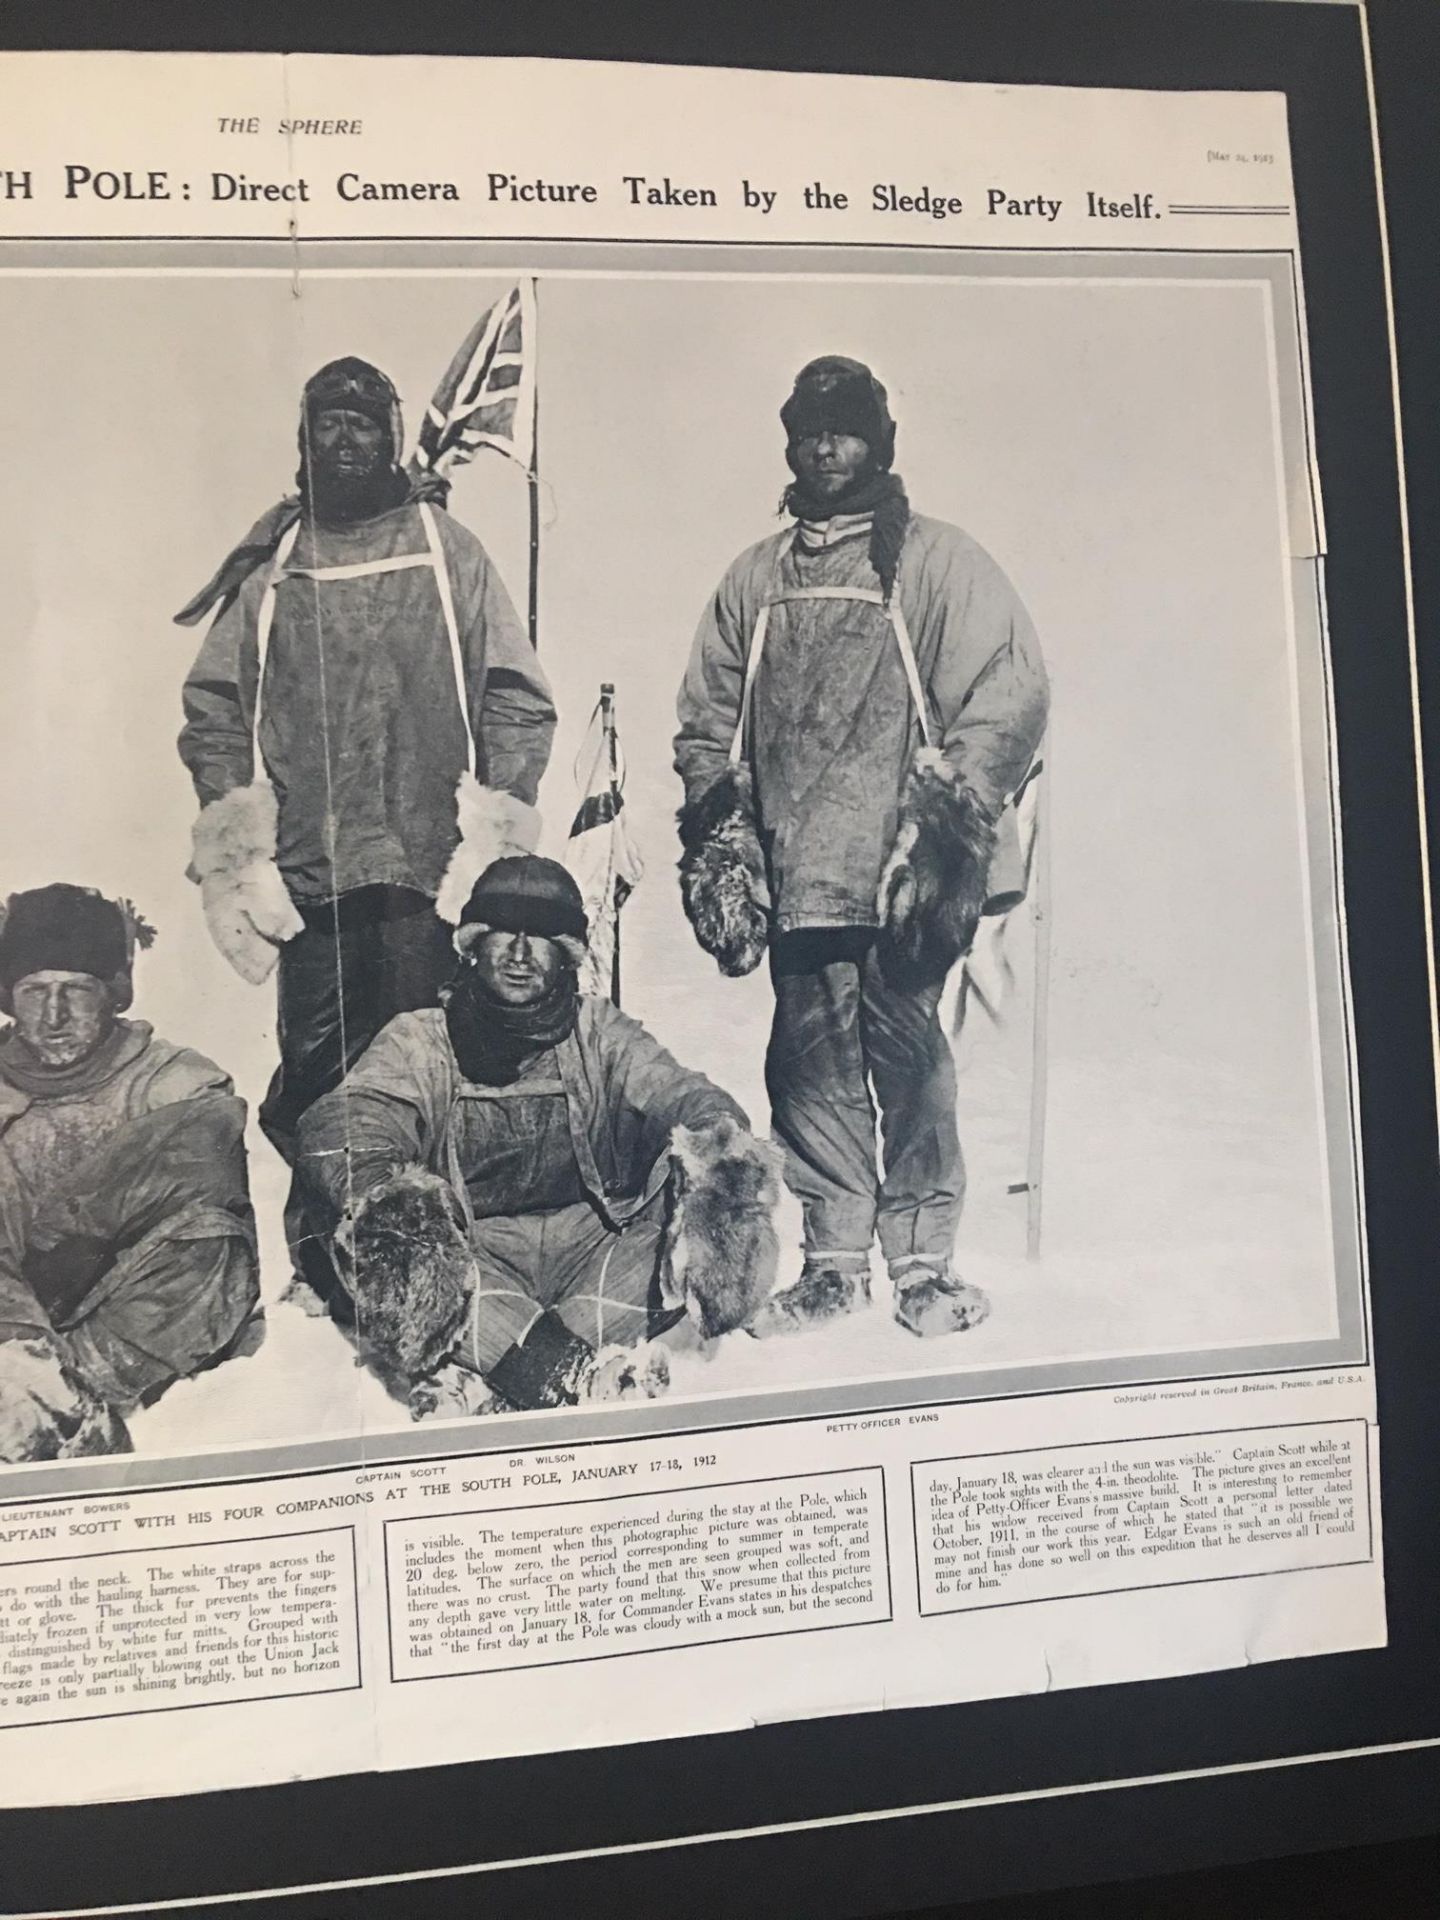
point(935, 882)
point(722, 872)
point(47, 1409)
point(247, 909)
point(409, 1274)
point(492, 823)
point(721, 1253)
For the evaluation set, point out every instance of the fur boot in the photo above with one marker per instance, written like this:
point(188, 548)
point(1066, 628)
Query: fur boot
point(933, 1300)
point(935, 881)
point(627, 1373)
point(453, 1392)
point(410, 1275)
point(722, 872)
point(247, 909)
point(492, 823)
point(48, 1411)
point(821, 1293)
point(721, 1252)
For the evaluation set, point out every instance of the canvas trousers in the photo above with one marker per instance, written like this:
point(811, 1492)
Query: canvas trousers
point(862, 1099)
point(603, 1284)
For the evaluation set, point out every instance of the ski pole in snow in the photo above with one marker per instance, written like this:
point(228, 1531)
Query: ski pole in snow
point(1040, 1018)
point(533, 475)
point(607, 729)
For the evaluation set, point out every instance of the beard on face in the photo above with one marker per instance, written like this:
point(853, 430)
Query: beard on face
point(827, 490)
point(347, 483)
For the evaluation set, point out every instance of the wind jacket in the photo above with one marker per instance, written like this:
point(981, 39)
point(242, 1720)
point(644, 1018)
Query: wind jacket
point(832, 725)
point(362, 732)
point(134, 1175)
point(624, 1098)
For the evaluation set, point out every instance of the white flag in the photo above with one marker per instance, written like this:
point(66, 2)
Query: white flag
point(987, 972)
point(601, 855)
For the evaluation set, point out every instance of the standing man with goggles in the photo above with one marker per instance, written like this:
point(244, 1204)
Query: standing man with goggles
point(366, 725)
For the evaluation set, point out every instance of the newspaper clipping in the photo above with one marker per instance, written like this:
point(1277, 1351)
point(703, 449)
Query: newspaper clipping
point(677, 1039)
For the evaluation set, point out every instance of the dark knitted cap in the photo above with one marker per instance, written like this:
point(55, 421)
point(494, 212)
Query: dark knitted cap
point(354, 386)
point(836, 395)
point(524, 893)
point(65, 930)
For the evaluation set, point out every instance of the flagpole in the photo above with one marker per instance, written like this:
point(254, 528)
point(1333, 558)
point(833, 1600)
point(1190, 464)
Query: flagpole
point(612, 761)
point(533, 477)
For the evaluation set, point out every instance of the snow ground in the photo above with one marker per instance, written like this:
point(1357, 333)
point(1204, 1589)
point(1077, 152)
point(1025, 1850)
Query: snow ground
point(1182, 1213)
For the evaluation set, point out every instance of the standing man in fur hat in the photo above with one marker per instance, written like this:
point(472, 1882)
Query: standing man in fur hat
point(864, 698)
point(127, 1247)
point(366, 726)
point(526, 1186)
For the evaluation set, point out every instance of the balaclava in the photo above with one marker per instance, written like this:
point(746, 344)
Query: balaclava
point(837, 395)
point(352, 386)
point(521, 893)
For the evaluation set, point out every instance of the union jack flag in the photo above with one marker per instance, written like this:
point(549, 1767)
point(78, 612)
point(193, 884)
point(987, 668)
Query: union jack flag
point(486, 398)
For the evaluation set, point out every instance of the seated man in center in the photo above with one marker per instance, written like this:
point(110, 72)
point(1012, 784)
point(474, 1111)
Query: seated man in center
point(522, 1187)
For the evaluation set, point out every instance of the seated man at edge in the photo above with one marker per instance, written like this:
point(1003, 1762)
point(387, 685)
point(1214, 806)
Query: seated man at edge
point(525, 1187)
point(127, 1242)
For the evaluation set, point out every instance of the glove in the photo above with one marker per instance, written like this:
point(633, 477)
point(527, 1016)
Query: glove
point(410, 1273)
point(934, 884)
point(721, 1253)
point(250, 916)
point(723, 884)
point(247, 908)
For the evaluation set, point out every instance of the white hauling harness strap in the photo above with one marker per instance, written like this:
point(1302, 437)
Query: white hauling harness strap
point(433, 557)
point(873, 597)
point(896, 616)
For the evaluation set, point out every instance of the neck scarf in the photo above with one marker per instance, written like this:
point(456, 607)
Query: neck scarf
point(882, 496)
point(492, 1040)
